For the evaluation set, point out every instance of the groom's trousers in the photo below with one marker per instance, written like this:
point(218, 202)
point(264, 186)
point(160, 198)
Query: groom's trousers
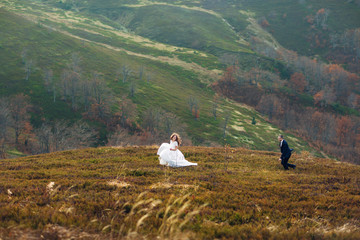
point(285, 163)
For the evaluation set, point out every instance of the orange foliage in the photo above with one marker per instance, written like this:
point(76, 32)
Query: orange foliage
point(321, 11)
point(196, 113)
point(265, 23)
point(298, 81)
point(318, 97)
point(344, 126)
point(309, 19)
point(229, 74)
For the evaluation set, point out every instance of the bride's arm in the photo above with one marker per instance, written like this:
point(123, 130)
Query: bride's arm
point(174, 149)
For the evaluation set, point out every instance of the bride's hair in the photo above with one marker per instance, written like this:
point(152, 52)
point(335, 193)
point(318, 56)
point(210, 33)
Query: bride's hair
point(178, 138)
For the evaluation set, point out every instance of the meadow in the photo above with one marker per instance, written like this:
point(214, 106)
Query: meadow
point(123, 193)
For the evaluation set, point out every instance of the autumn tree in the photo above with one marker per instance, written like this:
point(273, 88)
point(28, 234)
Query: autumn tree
point(264, 22)
point(28, 137)
point(298, 82)
point(102, 98)
point(344, 130)
point(151, 119)
point(63, 135)
point(19, 108)
point(127, 111)
point(321, 17)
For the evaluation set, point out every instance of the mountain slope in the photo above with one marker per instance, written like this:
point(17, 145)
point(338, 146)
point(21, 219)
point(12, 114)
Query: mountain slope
point(246, 194)
point(52, 48)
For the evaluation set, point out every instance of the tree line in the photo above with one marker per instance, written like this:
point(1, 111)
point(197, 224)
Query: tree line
point(289, 103)
point(106, 118)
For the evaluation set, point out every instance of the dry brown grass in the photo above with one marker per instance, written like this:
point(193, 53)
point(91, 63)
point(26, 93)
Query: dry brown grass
point(248, 195)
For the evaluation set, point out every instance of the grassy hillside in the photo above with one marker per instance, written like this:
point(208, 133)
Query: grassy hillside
point(287, 19)
point(51, 38)
point(180, 27)
point(124, 192)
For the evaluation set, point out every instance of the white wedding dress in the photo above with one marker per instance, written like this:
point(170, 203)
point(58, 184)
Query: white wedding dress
point(172, 158)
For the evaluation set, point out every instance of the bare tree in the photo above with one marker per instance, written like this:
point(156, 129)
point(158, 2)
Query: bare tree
point(44, 136)
point(71, 136)
point(141, 72)
point(54, 91)
point(127, 111)
point(19, 109)
point(75, 5)
point(75, 64)
point(48, 79)
point(151, 120)
point(125, 19)
point(71, 86)
point(125, 72)
point(194, 106)
point(86, 93)
point(229, 59)
point(321, 17)
point(70, 81)
point(170, 123)
point(28, 68)
point(227, 116)
point(102, 96)
point(5, 121)
point(62, 135)
point(132, 88)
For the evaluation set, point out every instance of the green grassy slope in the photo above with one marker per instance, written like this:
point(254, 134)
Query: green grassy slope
point(247, 195)
point(292, 30)
point(185, 28)
point(164, 20)
point(170, 87)
point(287, 19)
point(168, 23)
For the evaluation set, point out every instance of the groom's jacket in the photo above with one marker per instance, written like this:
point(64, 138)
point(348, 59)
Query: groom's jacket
point(285, 150)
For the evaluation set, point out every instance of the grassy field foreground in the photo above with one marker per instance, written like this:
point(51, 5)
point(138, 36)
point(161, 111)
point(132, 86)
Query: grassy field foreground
point(123, 193)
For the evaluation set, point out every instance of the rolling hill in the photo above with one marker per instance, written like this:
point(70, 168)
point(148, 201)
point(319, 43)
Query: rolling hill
point(124, 193)
point(52, 35)
point(174, 54)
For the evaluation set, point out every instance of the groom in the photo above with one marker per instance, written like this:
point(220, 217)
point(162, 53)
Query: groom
point(285, 153)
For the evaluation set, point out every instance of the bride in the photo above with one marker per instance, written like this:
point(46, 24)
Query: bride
point(170, 155)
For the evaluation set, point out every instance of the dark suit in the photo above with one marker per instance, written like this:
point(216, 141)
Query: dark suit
point(285, 155)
